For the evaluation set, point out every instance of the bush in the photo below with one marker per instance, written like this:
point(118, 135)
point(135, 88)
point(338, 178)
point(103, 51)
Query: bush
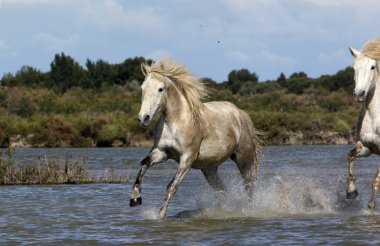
point(334, 102)
point(107, 134)
point(341, 126)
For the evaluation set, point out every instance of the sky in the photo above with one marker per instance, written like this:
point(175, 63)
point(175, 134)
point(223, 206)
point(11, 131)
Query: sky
point(211, 38)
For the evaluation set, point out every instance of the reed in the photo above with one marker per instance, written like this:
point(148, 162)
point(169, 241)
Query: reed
point(53, 171)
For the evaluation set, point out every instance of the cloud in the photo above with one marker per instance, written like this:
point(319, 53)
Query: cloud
point(110, 15)
point(329, 3)
point(3, 46)
point(238, 55)
point(258, 17)
point(301, 35)
point(30, 2)
point(275, 58)
point(53, 42)
point(338, 56)
point(157, 54)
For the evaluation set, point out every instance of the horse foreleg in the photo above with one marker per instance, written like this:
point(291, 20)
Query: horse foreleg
point(172, 188)
point(351, 192)
point(156, 156)
point(375, 187)
point(136, 190)
point(359, 151)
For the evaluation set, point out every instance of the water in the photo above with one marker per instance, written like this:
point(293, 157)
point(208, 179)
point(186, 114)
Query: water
point(299, 199)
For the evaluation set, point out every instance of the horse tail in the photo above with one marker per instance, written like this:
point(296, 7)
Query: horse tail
point(256, 144)
point(257, 149)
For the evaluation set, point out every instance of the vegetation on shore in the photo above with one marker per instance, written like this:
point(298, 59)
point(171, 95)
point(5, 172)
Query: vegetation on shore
point(52, 171)
point(97, 105)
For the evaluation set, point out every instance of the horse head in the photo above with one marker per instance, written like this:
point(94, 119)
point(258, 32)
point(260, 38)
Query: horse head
point(153, 91)
point(365, 74)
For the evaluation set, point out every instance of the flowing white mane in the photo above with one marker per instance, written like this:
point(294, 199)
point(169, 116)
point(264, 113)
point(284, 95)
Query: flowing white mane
point(174, 74)
point(372, 49)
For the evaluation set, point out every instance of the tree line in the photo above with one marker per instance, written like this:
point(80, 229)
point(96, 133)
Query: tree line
point(66, 73)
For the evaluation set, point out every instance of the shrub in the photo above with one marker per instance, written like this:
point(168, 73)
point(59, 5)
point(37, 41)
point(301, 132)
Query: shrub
point(341, 126)
point(107, 134)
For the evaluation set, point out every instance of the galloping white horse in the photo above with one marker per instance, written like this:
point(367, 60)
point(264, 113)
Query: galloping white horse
point(195, 134)
point(367, 91)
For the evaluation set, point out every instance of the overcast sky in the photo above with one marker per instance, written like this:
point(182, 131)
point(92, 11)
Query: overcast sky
point(210, 37)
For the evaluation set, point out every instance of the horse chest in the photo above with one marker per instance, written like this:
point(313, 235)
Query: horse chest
point(369, 133)
point(171, 138)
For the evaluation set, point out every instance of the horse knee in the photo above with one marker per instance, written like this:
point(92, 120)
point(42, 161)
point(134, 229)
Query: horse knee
point(375, 184)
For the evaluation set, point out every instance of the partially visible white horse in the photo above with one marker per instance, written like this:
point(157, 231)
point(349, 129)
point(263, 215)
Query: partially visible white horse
point(367, 92)
point(195, 134)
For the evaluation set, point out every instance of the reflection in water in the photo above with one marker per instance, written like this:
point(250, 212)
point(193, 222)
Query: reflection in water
point(299, 198)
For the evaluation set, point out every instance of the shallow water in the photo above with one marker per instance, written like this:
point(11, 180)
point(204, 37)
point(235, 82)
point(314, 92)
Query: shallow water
point(299, 198)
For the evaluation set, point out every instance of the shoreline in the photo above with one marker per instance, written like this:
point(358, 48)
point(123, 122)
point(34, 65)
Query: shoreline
point(291, 138)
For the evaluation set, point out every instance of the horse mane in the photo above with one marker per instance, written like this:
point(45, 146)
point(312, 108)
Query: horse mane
point(177, 76)
point(372, 49)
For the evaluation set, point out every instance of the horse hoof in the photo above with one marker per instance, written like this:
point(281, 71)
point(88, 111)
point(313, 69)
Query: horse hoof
point(135, 202)
point(352, 195)
point(371, 206)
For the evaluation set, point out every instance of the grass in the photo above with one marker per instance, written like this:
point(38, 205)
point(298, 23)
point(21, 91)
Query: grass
point(53, 171)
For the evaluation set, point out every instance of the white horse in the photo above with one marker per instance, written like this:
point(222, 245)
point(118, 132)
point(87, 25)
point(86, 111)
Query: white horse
point(195, 134)
point(367, 92)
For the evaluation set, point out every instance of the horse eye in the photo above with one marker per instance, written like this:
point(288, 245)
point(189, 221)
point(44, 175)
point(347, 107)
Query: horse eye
point(160, 89)
point(373, 67)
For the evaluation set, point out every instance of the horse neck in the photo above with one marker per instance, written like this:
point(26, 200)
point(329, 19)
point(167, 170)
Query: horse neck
point(176, 109)
point(373, 104)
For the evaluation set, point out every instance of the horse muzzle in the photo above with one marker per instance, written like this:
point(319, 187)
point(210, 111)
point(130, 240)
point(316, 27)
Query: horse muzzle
point(144, 120)
point(360, 95)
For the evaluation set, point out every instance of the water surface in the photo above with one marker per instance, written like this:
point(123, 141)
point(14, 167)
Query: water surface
point(299, 199)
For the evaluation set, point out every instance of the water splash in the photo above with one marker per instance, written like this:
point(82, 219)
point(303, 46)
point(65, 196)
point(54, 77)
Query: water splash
point(150, 213)
point(273, 196)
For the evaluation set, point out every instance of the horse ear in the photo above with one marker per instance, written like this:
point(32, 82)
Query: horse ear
point(354, 52)
point(144, 69)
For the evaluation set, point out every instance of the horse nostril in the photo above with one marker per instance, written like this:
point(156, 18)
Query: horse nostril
point(147, 118)
point(138, 119)
point(359, 94)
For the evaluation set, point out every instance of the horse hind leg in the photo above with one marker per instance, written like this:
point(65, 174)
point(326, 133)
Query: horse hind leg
point(375, 187)
point(245, 164)
point(212, 177)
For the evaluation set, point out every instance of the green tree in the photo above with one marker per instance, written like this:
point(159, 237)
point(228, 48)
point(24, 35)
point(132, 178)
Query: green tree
point(242, 75)
point(26, 76)
point(97, 73)
point(242, 81)
point(209, 82)
point(343, 79)
point(130, 70)
point(281, 80)
point(299, 75)
point(65, 72)
point(298, 82)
